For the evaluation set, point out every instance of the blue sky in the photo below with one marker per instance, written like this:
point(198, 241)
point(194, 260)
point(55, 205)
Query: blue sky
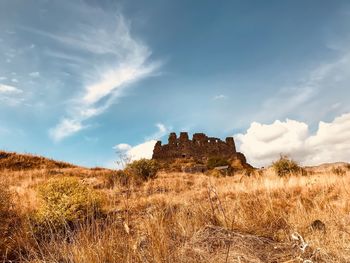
point(80, 80)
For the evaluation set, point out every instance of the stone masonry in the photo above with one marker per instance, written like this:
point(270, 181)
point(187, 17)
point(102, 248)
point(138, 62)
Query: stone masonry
point(199, 148)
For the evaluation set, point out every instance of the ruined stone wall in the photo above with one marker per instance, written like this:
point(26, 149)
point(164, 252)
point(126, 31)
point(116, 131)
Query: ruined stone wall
point(201, 146)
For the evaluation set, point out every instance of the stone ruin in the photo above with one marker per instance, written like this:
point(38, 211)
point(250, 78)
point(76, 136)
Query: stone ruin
point(200, 148)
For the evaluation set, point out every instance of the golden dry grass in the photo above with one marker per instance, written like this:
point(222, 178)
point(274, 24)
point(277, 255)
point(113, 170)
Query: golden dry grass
point(15, 162)
point(190, 218)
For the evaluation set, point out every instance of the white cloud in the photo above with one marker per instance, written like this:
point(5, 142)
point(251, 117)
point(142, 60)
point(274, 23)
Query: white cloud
point(162, 130)
point(65, 128)
point(10, 95)
point(263, 143)
point(126, 153)
point(6, 89)
point(329, 79)
point(114, 80)
point(3, 78)
point(145, 149)
point(34, 74)
point(106, 85)
point(331, 142)
point(137, 152)
point(220, 97)
point(123, 147)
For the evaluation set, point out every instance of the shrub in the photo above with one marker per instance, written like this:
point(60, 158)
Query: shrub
point(178, 164)
point(5, 201)
point(9, 221)
point(5, 206)
point(338, 171)
point(286, 166)
point(249, 172)
point(215, 173)
point(348, 166)
point(144, 169)
point(216, 162)
point(65, 201)
point(115, 177)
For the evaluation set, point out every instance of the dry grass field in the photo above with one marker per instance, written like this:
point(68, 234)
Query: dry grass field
point(180, 217)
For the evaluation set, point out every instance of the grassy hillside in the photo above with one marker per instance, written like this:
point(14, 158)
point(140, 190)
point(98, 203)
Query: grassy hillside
point(180, 217)
point(17, 162)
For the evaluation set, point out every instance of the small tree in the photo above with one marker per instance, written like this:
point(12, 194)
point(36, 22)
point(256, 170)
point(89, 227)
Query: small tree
point(144, 169)
point(123, 159)
point(286, 166)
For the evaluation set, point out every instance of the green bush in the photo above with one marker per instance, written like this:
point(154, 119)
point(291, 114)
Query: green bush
point(216, 162)
point(286, 166)
point(65, 201)
point(144, 169)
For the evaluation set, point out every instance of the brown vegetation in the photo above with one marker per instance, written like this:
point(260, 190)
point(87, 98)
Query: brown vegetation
point(16, 162)
point(178, 217)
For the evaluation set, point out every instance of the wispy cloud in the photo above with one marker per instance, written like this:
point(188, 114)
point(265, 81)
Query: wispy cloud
point(162, 130)
point(220, 97)
point(65, 127)
point(132, 63)
point(10, 95)
point(35, 74)
point(331, 78)
point(6, 89)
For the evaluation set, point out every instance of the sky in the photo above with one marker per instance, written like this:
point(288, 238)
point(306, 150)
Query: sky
point(85, 80)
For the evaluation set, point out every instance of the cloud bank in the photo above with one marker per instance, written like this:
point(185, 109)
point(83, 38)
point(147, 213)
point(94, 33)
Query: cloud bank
point(263, 143)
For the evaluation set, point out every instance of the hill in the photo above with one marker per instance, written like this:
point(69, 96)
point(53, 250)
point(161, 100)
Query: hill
point(17, 162)
point(178, 217)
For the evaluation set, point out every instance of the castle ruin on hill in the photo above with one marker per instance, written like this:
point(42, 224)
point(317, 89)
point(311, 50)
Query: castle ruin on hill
point(201, 147)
